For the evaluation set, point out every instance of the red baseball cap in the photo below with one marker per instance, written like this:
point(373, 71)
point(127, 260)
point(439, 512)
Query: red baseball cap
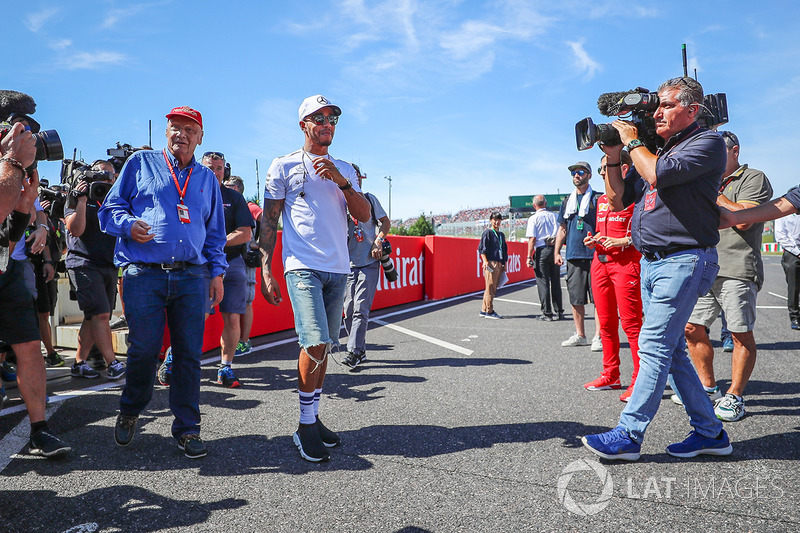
point(188, 112)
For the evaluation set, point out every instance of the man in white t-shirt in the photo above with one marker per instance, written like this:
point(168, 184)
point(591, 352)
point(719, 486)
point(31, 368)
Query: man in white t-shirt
point(313, 192)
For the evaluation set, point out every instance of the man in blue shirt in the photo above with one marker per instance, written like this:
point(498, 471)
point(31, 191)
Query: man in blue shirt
point(166, 211)
point(674, 226)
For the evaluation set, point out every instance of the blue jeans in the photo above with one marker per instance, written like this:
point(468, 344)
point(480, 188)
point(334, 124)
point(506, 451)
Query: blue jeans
point(670, 289)
point(361, 285)
point(317, 299)
point(153, 298)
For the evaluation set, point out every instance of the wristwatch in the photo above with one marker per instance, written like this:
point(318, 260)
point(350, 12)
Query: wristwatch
point(345, 187)
point(636, 143)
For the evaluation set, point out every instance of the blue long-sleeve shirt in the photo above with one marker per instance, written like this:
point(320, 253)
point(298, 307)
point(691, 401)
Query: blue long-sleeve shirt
point(145, 190)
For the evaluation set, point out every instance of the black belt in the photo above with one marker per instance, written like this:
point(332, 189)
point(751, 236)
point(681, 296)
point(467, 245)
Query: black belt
point(177, 265)
point(662, 254)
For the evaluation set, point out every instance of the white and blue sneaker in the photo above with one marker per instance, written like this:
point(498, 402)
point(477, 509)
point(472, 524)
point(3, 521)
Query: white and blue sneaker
point(730, 408)
point(613, 445)
point(696, 444)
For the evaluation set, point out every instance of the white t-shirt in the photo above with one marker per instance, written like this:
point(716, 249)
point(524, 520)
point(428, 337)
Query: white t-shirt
point(314, 213)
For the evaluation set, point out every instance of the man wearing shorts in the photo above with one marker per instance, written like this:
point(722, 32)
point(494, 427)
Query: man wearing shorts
point(741, 274)
point(92, 275)
point(238, 227)
point(314, 193)
point(576, 219)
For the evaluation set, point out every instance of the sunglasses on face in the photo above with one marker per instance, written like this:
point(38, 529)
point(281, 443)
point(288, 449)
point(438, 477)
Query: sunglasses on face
point(214, 155)
point(580, 173)
point(601, 170)
point(320, 119)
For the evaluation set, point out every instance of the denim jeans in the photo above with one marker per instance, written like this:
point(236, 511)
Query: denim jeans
point(670, 289)
point(361, 285)
point(317, 298)
point(153, 298)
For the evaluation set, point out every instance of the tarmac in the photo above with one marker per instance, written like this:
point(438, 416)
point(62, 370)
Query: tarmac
point(454, 423)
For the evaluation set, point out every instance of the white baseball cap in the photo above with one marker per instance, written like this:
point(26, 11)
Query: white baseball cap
point(312, 104)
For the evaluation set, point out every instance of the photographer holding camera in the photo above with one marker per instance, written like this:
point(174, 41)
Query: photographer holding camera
point(674, 226)
point(365, 246)
point(91, 270)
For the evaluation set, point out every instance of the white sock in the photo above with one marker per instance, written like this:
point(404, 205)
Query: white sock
point(307, 415)
point(317, 394)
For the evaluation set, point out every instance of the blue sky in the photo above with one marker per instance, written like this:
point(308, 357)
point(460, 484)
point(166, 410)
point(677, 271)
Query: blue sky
point(463, 103)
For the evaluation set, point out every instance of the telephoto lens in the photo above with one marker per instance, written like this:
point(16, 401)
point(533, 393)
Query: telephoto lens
point(386, 262)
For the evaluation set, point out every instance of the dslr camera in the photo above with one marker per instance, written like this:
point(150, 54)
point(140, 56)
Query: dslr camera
point(56, 195)
point(48, 143)
point(638, 106)
point(386, 262)
point(73, 172)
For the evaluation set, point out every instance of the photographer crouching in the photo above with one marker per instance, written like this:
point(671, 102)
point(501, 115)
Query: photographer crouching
point(674, 226)
point(90, 267)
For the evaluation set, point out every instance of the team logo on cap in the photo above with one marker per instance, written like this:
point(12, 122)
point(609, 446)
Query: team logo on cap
point(322, 100)
point(185, 109)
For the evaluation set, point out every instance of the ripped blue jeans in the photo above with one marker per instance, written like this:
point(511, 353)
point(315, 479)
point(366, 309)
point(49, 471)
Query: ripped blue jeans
point(317, 302)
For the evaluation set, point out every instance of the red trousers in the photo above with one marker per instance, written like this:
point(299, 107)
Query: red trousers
point(616, 287)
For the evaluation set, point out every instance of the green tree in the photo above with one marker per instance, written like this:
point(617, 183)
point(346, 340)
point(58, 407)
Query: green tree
point(421, 227)
point(398, 230)
point(255, 199)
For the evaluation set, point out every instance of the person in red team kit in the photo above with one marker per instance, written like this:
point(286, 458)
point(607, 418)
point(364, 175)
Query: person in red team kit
point(616, 287)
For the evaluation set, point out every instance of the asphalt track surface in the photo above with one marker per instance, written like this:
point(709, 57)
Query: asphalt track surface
point(454, 423)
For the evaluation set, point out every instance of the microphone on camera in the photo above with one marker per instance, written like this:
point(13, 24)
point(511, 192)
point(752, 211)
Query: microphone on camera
point(608, 103)
point(15, 102)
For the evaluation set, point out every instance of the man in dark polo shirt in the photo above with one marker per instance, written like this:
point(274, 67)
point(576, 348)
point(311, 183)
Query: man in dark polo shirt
point(674, 226)
point(92, 275)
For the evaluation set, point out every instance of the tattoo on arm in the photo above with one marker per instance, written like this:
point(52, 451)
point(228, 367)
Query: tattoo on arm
point(269, 229)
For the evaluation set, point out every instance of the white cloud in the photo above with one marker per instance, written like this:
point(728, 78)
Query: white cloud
point(118, 14)
point(61, 44)
point(35, 21)
point(583, 61)
point(92, 60)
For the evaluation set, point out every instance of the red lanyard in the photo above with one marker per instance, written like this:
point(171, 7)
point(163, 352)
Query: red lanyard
point(181, 193)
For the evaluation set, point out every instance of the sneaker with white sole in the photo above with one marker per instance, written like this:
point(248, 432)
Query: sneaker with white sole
point(713, 395)
point(83, 370)
point(696, 444)
point(613, 445)
point(493, 315)
point(116, 370)
point(730, 408)
point(575, 340)
point(603, 383)
point(597, 344)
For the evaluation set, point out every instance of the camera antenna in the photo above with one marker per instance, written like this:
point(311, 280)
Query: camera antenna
point(685, 65)
point(150, 131)
point(258, 185)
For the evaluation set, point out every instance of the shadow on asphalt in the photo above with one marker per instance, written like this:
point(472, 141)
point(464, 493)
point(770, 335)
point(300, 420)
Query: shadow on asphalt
point(126, 507)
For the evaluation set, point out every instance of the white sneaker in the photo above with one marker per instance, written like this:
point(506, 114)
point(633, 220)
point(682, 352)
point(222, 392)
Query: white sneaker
point(730, 408)
point(714, 396)
point(597, 344)
point(575, 340)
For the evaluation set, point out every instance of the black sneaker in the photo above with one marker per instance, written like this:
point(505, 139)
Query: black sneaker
point(125, 429)
point(95, 359)
point(329, 438)
point(116, 370)
point(165, 370)
point(192, 446)
point(351, 360)
point(53, 360)
point(83, 370)
point(309, 442)
point(46, 444)
point(119, 322)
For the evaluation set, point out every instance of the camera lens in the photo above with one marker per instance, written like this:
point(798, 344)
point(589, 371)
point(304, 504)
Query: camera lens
point(48, 146)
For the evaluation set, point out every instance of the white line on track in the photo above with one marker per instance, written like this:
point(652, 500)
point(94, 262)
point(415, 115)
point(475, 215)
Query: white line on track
point(517, 301)
point(778, 295)
point(426, 338)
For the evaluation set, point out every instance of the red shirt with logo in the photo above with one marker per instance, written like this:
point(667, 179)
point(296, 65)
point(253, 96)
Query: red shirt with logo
point(615, 224)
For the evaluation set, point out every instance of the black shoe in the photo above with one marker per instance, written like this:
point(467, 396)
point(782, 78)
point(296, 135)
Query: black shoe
point(309, 442)
point(193, 446)
point(119, 322)
point(546, 318)
point(46, 444)
point(53, 360)
point(795, 323)
point(329, 438)
point(125, 429)
point(353, 359)
point(95, 359)
point(561, 315)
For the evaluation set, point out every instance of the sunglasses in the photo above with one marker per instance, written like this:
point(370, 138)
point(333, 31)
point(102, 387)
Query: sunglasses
point(580, 173)
point(601, 170)
point(214, 155)
point(319, 119)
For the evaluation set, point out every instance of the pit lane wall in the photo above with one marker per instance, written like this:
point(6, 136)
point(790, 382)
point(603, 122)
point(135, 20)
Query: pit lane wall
point(428, 268)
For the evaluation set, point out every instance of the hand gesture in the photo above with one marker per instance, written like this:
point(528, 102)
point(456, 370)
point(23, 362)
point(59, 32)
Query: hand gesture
point(139, 232)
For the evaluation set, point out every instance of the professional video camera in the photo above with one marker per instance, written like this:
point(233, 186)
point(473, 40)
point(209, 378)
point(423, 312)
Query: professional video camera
point(121, 153)
point(638, 106)
point(48, 143)
point(388, 267)
point(74, 171)
point(56, 195)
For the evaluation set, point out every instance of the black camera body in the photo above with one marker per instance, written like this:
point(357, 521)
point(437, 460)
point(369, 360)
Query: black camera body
point(57, 198)
point(120, 154)
point(639, 106)
point(48, 143)
point(73, 172)
point(386, 262)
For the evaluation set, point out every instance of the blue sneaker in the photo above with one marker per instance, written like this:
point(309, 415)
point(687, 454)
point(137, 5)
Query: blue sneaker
point(696, 444)
point(226, 377)
point(8, 372)
point(727, 344)
point(613, 445)
point(242, 348)
point(165, 370)
point(3, 396)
